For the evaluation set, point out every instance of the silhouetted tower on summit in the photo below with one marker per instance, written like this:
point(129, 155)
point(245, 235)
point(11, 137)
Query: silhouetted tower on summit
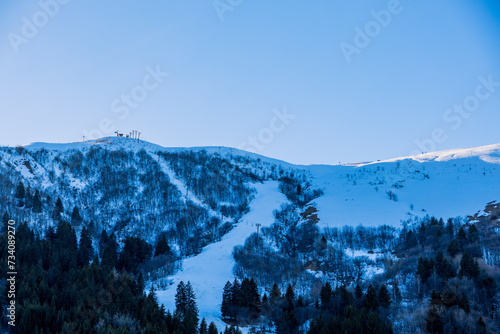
point(134, 135)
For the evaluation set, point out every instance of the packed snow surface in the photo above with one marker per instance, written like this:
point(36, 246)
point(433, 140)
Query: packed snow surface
point(209, 271)
point(442, 184)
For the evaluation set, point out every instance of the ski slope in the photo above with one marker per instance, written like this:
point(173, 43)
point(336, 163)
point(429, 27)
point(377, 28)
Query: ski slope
point(213, 267)
point(186, 195)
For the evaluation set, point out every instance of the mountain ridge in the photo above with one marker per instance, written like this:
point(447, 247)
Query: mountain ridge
point(483, 152)
point(373, 193)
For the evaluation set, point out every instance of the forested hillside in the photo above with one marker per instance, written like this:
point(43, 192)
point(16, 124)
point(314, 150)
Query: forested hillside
point(130, 188)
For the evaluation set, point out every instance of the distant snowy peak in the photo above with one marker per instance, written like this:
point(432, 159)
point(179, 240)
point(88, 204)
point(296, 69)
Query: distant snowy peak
point(489, 153)
point(107, 142)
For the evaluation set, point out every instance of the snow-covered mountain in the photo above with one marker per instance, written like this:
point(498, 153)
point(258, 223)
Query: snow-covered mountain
point(138, 187)
point(207, 200)
point(132, 187)
point(444, 184)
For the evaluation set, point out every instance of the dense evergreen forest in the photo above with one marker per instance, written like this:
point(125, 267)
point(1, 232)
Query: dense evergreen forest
point(437, 281)
point(65, 287)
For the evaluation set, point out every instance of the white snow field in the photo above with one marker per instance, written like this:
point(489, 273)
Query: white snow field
point(444, 184)
point(209, 271)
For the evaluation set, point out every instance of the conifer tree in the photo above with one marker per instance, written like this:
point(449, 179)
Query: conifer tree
point(433, 321)
point(28, 198)
point(264, 298)
point(463, 303)
point(186, 308)
point(20, 193)
point(212, 329)
point(192, 308)
point(180, 299)
point(51, 233)
point(447, 269)
point(110, 253)
point(323, 245)
point(66, 237)
point(255, 297)
point(289, 323)
point(396, 293)
point(140, 283)
point(85, 251)
point(370, 301)
point(58, 210)
point(227, 300)
point(103, 241)
point(37, 203)
point(384, 298)
point(461, 235)
point(76, 219)
point(473, 233)
point(358, 297)
point(290, 294)
point(462, 238)
point(345, 296)
point(481, 326)
point(237, 299)
point(453, 248)
point(66, 245)
point(411, 240)
point(162, 246)
point(203, 327)
point(135, 251)
point(449, 227)
point(468, 266)
point(325, 295)
point(424, 268)
point(275, 293)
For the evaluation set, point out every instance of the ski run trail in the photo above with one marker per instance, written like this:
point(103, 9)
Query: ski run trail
point(209, 271)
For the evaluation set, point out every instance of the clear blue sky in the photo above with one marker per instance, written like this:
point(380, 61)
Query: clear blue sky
point(67, 70)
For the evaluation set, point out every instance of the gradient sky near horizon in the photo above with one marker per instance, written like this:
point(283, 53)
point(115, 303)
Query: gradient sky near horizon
point(231, 68)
